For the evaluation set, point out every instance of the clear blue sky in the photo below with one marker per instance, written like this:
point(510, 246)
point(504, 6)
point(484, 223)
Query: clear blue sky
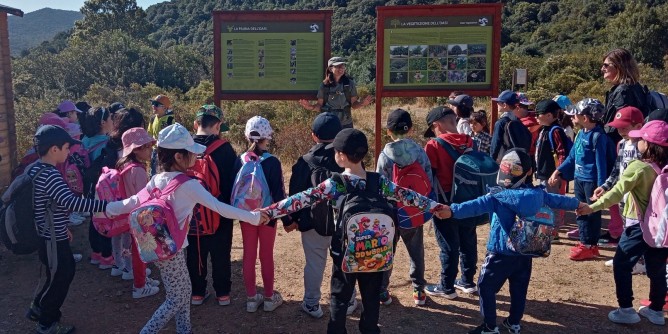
point(28, 6)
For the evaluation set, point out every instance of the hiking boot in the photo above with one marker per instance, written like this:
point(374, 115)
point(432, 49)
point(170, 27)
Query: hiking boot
point(512, 329)
point(419, 297)
point(116, 271)
point(106, 262)
point(253, 303)
point(436, 290)
point(483, 329)
point(146, 291)
point(199, 300)
point(385, 298)
point(223, 300)
point(573, 234)
point(583, 252)
point(313, 310)
point(606, 240)
point(624, 316)
point(34, 312)
point(274, 302)
point(55, 328)
point(464, 287)
point(655, 317)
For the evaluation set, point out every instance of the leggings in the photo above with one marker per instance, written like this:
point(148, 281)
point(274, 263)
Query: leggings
point(120, 248)
point(174, 274)
point(265, 236)
point(138, 267)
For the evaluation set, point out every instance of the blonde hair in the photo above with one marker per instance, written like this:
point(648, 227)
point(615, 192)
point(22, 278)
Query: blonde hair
point(626, 65)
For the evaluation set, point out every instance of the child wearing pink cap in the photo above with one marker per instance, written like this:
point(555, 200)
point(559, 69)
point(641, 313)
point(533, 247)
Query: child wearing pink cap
point(637, 181)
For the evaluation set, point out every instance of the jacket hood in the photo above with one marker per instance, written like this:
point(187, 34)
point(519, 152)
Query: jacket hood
point(459, 140)
point(524, 201)
point(403, 152)
point(89, 142)
point(321, 156)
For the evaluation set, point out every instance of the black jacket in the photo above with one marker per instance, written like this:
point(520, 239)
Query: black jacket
point(620, 96)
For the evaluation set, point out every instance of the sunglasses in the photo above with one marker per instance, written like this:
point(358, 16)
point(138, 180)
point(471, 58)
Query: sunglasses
point(156, 104)
point(606, 65)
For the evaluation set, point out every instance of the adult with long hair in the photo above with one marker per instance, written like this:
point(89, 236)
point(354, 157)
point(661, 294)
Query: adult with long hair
point(337, 93)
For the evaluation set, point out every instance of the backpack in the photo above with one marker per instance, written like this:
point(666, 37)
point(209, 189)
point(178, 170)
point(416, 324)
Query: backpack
point(654, 224)
point(30, 157)
point(91, 173)
point(509, 142)
point(110, 188)
point(472, 175)
point(654, 100)
point(411, 177)
point(610, 152)
point(532, 236)
point(251, 190)
point(18, 230)
point(153, 224)
point(72, 168)
point(566, 140)
point(205, 221)
point(366, 227)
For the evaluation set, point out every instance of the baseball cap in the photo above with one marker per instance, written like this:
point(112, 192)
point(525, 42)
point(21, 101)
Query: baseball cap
point(52, 135)
point(83, 106)
point(547, 107)
point(258, 127)
point(523, 99)
point(335, 61)
point(351, 142)
point(133, 138)
point(67, 106)
point(50, 118)
point(399, 120)
point(507, 96)
point(213, 110)
point(660, 114)
point(654, 132)
point(326, 126)
point(627, 116)
point(177, 137)
point(162, 99)
point(116, 106)
point(514, 168)
point(434, 115)
point(462, 100)
point(563, 101)
point(588, 106)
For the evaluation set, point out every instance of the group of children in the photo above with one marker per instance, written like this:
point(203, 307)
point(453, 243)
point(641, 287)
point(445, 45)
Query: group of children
point(319, 203)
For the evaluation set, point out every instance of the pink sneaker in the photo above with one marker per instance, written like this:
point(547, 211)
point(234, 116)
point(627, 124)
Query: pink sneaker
point(95, 258)
point(574, 234)
point(106, 262)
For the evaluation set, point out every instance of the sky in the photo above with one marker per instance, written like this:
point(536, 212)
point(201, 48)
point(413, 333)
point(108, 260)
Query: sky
point(28, 6)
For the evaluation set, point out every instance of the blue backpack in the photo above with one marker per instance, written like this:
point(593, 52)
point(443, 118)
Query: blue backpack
point(610, 151)
point(251, 190)
point(532, 236)
point(567, 140)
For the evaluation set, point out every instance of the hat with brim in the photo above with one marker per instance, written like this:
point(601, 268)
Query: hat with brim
point(53, 135)
point(434, 115)
point(135, 137)
point(655, 132)
point(627, 116)
point(177, 137)
point(67, 106)
point(214, 111)
point(335, 61)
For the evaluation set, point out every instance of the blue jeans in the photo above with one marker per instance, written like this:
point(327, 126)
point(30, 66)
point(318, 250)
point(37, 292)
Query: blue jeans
point(493, 275)
point(457, 241)
point(589, 225)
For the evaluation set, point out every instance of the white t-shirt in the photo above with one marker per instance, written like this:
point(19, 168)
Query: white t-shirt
point(464, 127)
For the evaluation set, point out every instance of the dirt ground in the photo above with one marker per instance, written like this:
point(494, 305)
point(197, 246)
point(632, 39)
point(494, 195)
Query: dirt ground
point(564, 296)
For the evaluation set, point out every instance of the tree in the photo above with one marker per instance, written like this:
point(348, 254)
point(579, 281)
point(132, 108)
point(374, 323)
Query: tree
point(105, 15)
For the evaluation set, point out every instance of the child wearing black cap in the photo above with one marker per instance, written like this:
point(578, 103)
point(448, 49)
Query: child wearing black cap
point(53, 146)
point(509, 132)
point(512, 198)
point(403, 152)
point(350, 147)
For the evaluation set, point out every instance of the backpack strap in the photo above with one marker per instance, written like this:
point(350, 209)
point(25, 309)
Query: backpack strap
point(448, 148)
point(372, 182)
point(214, 146)
point(174, 184)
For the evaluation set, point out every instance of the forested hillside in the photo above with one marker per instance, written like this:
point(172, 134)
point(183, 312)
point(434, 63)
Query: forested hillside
point(38, 26)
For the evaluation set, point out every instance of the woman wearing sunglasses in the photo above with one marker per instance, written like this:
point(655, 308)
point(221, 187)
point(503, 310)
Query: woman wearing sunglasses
point(163, 116)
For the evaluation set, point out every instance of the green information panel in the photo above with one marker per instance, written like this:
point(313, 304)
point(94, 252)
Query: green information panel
point(271, 56)
point(438, 52)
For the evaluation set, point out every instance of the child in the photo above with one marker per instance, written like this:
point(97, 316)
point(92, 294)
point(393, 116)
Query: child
point(163, 116)
point(551, 151)
point(456, 241)
point(514, 197)
point(587, 164)
point(529, 121)
point(52, 144)
point(96, 126)
point(258, 132)
point(137, 146)
point(67, 109)
point(351, 146)
point(480, 128)
point(177, 152)
point(316, 224)
point(208, 124)
point(509, 132)
point(564, 120)
point(636, 182)
point(463, 106)
point(404, 152)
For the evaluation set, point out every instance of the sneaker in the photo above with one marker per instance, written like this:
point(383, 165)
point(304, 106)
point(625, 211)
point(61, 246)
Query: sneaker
point(253, 303)
point(385, 298)
point(127, 275)
point(483, 329)
point(419, 297)
point(199, 300)
point(95, 258)
point(352, 306)
point(639, 269)
point(273, 303)
point(55, 328)
point(77, 257)
point(106, 262)
point(116, 271)
point(152, 282)
point(624, 316)
point(573, 234)
point(582, 252)
point(655, 317)
point(608, 263)
point(435, 290)
point(146, 291)
point(465, 288)
point(34, 312)
point(606, 240)
point(512, 329)
point(646, 302)
point(76, 219)
point(313, 310)
point(223, 300)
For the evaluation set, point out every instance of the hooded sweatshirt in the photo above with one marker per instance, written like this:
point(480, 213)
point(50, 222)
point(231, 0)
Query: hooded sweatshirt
point(587, 160)
point(403, 152)
point(504, 206)
point(441, 162)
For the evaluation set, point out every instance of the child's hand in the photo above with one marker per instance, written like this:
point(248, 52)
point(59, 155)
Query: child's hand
point(598, 192)
point(264, 217)
point(583, 209)
point(290, 228)
point(443, 213)
point(70, 237)
point(367, 100)
point(554, 179)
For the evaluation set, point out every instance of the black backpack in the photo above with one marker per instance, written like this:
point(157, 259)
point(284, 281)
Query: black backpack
point(519, 140)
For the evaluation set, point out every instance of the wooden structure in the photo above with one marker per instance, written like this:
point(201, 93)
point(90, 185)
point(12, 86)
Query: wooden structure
point(7, 117)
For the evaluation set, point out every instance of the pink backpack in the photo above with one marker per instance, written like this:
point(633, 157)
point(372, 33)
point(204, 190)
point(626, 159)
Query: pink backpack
point(654, 225)
point(110, 188)
point(153, 224)
point(77, 162)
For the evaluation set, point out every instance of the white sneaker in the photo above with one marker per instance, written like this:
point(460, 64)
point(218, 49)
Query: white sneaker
point(77, 257)
point(127, 275)
point(253, 303)
point(655, 317)
point(152, 282)
point(116, 271)
point(273, 303)
point(608, 263)
point(146, 291)
point(314, 311)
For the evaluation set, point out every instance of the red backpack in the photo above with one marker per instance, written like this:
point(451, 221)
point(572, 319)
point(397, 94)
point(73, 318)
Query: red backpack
point(30, 157)
point(411, 177)
point(205, 221)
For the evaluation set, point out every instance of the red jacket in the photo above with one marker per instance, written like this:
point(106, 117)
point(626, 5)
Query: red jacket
point(534, 127)
point(441, 162)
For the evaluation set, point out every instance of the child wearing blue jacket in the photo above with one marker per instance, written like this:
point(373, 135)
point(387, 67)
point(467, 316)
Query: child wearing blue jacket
point(588, 164)
point(513, 198)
